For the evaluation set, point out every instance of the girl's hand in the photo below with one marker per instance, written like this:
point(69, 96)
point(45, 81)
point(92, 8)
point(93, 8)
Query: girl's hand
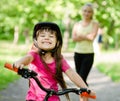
point(86, 96)
point(92, 93)
point(17, 65)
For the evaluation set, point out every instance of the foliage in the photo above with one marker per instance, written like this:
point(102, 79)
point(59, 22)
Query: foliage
point(6, 77)
point(110, 69)
point(108, 14)
point(9, 53)
point(26, 14)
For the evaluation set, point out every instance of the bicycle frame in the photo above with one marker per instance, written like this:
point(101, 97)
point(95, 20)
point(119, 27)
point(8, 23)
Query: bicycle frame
point(26, 73)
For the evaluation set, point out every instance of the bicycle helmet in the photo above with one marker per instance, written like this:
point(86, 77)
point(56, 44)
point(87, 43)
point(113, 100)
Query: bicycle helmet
point(52, 26)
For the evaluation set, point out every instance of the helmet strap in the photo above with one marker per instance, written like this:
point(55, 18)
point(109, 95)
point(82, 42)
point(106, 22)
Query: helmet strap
point(42, 52)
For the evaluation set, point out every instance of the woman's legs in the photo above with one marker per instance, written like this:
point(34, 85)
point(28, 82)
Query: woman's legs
point(83, 64)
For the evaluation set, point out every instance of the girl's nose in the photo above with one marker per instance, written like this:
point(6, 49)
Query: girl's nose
point(46, 36)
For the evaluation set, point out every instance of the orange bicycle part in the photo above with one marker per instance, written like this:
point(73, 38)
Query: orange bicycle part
point(10, 67)
point(87, 95)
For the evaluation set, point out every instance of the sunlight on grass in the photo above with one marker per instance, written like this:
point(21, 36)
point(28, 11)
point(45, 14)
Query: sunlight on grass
point(9, 53)
point(110, 69)
point(6, 77)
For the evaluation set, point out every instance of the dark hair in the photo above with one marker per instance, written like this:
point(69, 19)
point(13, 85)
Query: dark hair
point(56, 53)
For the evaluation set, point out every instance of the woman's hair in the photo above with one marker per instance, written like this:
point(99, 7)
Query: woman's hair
point(88, 5)
point(58, 58)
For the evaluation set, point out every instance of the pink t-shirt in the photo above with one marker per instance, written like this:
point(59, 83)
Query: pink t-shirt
point(45, 77)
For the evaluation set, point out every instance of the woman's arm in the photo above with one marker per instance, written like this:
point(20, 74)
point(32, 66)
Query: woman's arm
point(92, 35)
point(88, 37)
point(75, 37)
point(23, 61)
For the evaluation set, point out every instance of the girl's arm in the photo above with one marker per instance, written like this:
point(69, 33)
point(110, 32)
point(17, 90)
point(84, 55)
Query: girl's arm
point(74, 77)
point(23, 61)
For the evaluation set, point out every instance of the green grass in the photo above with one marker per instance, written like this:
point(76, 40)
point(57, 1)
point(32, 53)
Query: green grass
point(6, 77)
point(110, 69)
point(9, 53)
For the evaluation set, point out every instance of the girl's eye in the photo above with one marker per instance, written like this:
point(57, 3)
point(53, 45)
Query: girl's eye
point(42, 35)
point(51, 36)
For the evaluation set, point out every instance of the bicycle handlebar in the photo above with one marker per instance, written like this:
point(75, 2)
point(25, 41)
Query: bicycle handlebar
point(26, 73)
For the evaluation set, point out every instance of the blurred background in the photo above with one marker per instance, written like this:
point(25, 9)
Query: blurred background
point(20, 16)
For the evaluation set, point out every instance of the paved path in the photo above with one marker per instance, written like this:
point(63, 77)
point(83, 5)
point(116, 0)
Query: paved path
point(106, 90)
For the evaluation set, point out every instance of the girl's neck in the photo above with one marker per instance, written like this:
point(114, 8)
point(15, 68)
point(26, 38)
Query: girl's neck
point(48, 58)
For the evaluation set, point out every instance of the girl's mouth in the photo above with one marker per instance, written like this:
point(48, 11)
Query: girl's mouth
point(46, 42)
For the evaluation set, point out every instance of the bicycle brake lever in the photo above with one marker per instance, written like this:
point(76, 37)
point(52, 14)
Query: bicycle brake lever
point(26, 73)
point(85, 90)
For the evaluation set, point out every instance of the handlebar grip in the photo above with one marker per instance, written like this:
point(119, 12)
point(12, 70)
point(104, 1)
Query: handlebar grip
point(10, 67)
point(87, 95)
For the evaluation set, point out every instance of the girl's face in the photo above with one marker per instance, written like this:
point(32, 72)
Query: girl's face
point(46, 39)
point(87, 12)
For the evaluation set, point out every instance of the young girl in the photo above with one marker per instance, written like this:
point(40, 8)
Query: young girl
point(45, 58)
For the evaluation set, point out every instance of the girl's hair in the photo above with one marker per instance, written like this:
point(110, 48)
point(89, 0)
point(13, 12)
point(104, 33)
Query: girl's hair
point(57, 56)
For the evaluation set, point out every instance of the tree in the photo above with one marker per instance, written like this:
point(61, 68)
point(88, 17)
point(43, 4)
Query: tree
point(26, 14)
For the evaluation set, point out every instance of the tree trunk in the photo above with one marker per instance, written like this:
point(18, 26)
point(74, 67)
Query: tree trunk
point(16, 35)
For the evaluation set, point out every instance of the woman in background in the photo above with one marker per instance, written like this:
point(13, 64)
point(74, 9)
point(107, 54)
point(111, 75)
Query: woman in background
point(83, 34)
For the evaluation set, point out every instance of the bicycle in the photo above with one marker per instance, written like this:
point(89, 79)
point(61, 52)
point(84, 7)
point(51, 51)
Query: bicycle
point(27, 73)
